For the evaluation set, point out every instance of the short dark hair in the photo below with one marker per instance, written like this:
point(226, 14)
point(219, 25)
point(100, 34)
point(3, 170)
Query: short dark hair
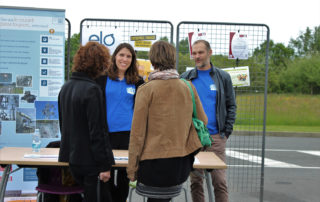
point(162, 55)
point(206, 43)
point(132, 73)
point(92, 59)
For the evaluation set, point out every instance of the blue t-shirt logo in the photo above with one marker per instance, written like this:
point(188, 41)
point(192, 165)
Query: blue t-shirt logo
point(131, 90)
point(213, 87)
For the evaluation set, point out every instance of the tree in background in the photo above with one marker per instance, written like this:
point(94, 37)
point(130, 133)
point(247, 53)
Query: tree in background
point(307, 43)
point(302, 76)
point(279, 54)
point(295, 68)
point(74, 46)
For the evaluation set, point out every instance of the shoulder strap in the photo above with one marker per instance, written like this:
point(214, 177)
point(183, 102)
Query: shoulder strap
point(193, 100)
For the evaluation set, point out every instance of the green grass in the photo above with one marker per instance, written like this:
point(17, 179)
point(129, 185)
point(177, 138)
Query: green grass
point(294, 110)
point(285, 112)
point(281, 128)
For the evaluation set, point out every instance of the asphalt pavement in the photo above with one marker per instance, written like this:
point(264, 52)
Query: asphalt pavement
point(291, 172)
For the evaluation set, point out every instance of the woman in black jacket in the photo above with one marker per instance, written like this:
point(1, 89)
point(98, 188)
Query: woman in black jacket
point(119, 87)
point(84, 139)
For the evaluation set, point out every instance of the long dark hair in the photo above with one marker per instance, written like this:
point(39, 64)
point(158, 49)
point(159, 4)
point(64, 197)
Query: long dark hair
point(132, 74)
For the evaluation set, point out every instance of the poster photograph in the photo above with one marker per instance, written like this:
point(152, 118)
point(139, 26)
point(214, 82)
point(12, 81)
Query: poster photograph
point(5, 77)
point(47, 110)
point(48, 128)
point(24, 81)
point(29, 96)
point(25, 120)
point(8, 105)
point(10, 88)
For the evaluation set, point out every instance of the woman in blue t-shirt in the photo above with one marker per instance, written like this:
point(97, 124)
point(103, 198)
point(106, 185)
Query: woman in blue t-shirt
point(119, 86)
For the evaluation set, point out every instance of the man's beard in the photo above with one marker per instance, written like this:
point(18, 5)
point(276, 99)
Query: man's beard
point(202, 65)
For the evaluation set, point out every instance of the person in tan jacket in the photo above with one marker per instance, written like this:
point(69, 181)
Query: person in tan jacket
point(163, 140)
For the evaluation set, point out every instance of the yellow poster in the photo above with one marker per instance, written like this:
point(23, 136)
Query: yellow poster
point(143, 44)
point(142, 40)
point(145, 68)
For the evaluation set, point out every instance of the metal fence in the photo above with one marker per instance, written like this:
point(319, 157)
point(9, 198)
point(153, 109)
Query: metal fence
point(164, 29)
point(245, 147)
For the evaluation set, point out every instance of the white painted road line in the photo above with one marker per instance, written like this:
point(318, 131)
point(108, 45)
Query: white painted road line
point(258, 166)
point(281, 150)
point(316, 153)
point(257, 159)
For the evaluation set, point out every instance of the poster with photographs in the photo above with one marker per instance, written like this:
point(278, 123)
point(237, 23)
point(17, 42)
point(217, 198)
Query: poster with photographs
point(32, 69)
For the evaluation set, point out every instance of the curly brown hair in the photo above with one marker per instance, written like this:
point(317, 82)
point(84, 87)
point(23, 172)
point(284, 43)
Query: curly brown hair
point(132, 73)
point(92, 59)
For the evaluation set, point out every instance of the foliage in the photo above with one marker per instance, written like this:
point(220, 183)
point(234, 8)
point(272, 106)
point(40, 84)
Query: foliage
point(279, 55)
point(74, 46)
point(302, 76)
point(307, 43)
point(295, 68)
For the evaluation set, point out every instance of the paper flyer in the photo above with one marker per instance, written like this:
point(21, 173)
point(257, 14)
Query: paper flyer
point(240, 76)
point(238, 46)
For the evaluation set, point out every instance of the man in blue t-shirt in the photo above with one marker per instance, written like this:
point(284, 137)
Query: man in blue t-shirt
point(216, 93)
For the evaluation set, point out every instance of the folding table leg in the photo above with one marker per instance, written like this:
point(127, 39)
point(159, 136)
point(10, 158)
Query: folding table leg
point(209, 186)
point(4, 181)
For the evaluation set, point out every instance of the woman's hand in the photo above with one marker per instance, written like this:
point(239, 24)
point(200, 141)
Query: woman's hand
point(105, 176)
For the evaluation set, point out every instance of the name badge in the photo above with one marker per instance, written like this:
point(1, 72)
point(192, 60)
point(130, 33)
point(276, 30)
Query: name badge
point(213, 87)
point(131, 90)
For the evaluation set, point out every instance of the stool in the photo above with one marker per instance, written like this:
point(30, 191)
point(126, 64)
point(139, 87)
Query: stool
point(133, 185)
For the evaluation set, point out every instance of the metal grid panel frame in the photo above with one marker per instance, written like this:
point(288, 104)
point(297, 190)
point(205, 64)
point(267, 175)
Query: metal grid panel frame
point(245, 148)
point(162, 28)
point(67, 48)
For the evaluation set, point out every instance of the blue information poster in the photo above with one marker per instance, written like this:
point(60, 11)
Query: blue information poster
point(31, 75)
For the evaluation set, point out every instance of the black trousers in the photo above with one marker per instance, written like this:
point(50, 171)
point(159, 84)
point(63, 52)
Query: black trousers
point(88, 178)
point(119, 183)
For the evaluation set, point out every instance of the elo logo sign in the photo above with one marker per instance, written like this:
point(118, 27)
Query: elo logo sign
point(107, 40)
point(110, 37)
